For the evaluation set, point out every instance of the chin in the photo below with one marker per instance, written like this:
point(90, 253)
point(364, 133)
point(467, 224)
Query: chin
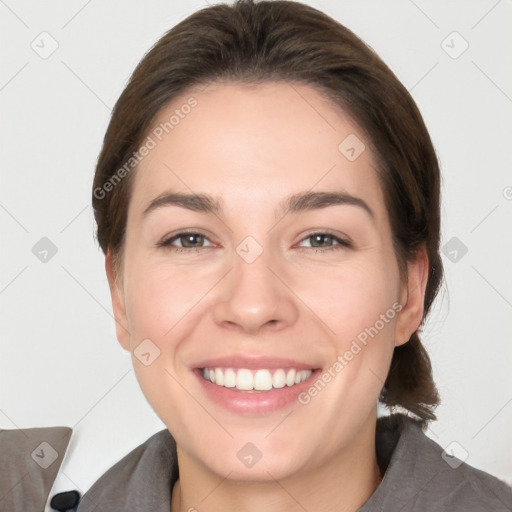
point(254, 457)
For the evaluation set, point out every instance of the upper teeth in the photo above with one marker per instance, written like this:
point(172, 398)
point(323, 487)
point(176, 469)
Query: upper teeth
point(260, 380)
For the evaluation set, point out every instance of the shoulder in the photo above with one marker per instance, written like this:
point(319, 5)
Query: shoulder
point(140, 480)
point(421, 476)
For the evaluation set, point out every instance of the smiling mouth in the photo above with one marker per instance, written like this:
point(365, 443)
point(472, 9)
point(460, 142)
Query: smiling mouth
point(243, 379)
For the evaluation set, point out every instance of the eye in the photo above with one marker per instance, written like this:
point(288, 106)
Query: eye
point(189, 240)
point(322, 237)
point(192, 241)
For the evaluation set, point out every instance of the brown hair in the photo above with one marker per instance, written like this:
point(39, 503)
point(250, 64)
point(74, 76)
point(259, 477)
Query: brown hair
point(283, 40)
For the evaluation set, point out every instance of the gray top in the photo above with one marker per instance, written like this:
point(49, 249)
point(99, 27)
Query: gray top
point(417, 478)
point(30, 459)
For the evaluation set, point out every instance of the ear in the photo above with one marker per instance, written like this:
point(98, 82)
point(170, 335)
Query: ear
point(412, 297)
point(116, 293)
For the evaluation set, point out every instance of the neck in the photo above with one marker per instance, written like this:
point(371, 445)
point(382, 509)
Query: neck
point(343, 483)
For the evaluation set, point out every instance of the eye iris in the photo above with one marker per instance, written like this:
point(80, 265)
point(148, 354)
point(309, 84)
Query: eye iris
point(320, 236)
point(189, 237)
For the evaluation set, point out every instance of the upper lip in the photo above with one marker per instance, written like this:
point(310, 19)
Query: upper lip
point(256, 362)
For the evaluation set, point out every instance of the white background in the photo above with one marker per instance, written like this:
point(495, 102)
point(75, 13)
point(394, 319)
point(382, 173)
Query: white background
point(60, 361)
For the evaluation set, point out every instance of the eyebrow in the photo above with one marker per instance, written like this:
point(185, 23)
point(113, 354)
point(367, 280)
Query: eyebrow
point(300, 202)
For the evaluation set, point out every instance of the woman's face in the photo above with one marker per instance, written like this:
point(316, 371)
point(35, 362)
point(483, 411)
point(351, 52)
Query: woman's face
point(267, 289)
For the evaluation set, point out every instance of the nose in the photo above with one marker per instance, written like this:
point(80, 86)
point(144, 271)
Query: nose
point(255, 297)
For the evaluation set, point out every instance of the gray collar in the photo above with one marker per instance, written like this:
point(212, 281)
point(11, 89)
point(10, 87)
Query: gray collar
point(417, 478)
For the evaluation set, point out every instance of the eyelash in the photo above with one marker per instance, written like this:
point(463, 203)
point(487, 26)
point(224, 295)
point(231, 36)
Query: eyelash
point(342, 243)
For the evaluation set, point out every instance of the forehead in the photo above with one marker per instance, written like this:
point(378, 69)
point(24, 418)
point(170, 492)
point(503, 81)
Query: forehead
point(254, 145)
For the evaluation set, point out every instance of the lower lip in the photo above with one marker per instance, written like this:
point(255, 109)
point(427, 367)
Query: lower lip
point(255, 403)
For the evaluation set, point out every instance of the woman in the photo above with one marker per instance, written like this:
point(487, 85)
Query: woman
point(267, 198)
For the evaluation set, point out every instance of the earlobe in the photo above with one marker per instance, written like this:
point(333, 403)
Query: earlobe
point(118, 306)
point(413, 297)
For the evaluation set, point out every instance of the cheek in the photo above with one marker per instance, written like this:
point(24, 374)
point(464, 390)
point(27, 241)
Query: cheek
point(351, 296)
point(158, 307)
point(162, 304)
point(359, 305)
point(159, 298)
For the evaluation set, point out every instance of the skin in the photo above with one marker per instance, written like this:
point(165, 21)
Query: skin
point(253, 147)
